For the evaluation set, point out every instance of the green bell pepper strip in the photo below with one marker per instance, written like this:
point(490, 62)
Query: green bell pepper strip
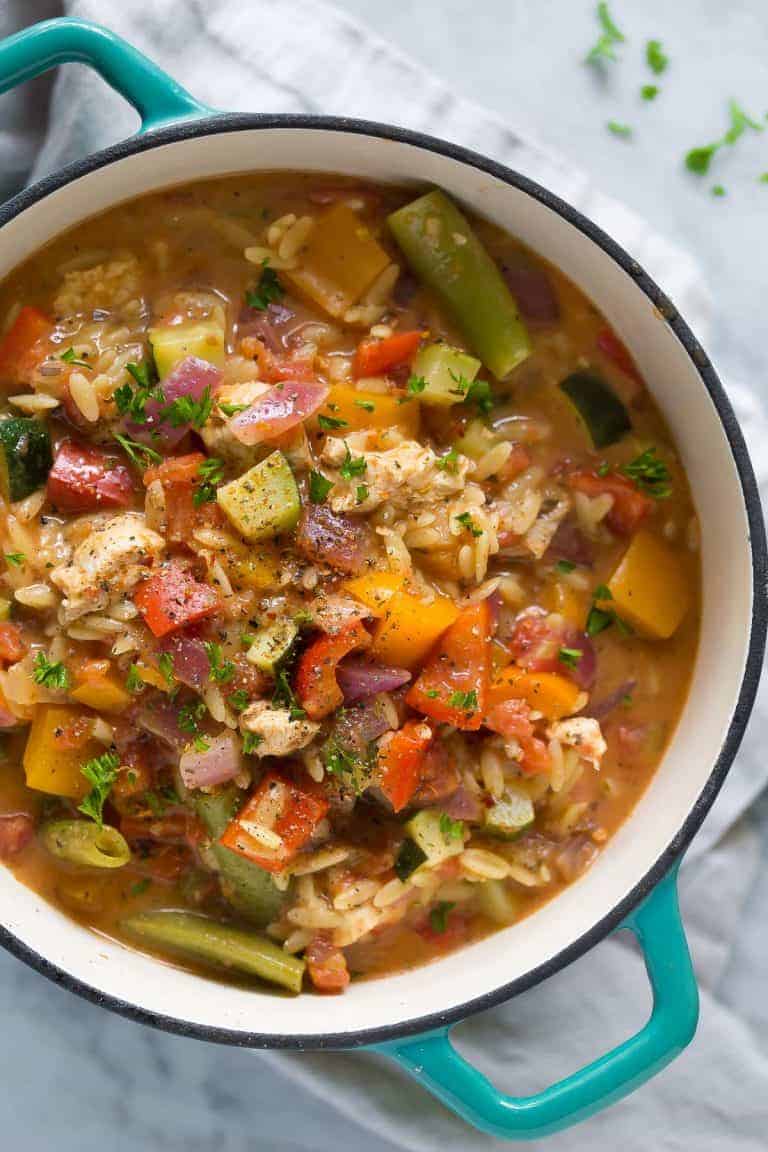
point(447, 256)
point(249, 889)
point(219, 945)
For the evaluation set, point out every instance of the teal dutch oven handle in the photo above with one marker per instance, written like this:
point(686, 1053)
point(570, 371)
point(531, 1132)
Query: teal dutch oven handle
point(157, 98)
point(430, 1058)
point(433, 1061)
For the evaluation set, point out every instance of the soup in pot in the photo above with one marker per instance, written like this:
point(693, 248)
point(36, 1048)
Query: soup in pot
point(350, 589)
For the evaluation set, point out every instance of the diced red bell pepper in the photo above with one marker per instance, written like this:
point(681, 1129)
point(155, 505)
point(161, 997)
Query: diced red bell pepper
point(316, 684)
point(12, 646)
point(511, 719)
point(373, 357)
point(172, 598)
point(630, 507)
point(453, 685)
point(288, 811)
point(401, 760)
point(326, 965)
point(83, 479)
point(617, 352)
point(18, 348)
point(180, 476)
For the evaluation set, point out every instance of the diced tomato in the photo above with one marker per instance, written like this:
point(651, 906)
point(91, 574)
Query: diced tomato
point(83, 479)
point(164, 863)
point(176, 470)
point(16, 831)
point(401, 760)
point(517, 462)
point(19, 348)
point(326, 965)
point(12, 646)
point(617, 352)
point(316, 684)
point(535, 643)
point(172, 598)
point(439, 777)
point(280, 806)
point(512, 721)
point(443, 939)
point(180, 477)
point(274, 368)
point(630, 507)
point(374, 357)
point(453, 685)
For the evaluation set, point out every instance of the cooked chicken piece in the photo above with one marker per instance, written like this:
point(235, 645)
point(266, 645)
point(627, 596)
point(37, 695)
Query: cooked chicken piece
point(280, 735)
point(404, 476)
point(553, 511)
point(108, 286)
point(107, 565)
point(216, 434)
point(582, 733)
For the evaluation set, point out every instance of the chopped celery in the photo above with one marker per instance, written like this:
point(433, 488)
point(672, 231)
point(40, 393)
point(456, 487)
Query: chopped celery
point(448, 257)
point(510, 814)
point(264, 501)
point(430, 830)
point(446, 372)
point(476, 441)
point(171, 343)
point(272, 644)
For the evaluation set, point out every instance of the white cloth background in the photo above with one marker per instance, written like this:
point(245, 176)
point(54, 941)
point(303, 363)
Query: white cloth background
point(272, 56)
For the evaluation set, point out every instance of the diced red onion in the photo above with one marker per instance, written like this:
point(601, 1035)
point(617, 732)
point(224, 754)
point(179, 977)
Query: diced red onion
point(570, 543)
point(357, 726)
point(163, 721)
point(219, 762)
point(463, 805)
point(190, 660)
point(263, 325)
point(281, 408)
point(16, 831)
point(359, 679)
point(190, 378)
point(533, 292)
point(584, 670)
point(602, 708)
point(332, 538)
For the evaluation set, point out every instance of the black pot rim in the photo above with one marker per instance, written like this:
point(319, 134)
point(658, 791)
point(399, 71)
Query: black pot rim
point(235, 122)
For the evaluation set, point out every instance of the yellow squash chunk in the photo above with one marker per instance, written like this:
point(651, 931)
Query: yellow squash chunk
point(48, 766)
point(409, 628)
point(372, 410)
point(553, 695)
point(650, 587)
point(103, 693)
point(340, 261)
point(171, 343)
point(375, 589)
point(566, 601)
point(257, 568)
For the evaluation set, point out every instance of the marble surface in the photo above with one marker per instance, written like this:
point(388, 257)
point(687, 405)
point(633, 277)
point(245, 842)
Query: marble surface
point(76, 1078)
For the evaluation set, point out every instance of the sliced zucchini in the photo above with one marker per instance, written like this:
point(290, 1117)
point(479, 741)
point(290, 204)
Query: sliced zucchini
point(604, 415)
point(272, 644)
point(264, 501)
point(171, 343)
point(408, 859)
point(444, 370)
point(426, 829)
point(25, 456)
point(510, 815)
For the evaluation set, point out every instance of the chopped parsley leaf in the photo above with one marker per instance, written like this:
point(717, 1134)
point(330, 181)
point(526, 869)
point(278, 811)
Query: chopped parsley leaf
point(415, 385)
point(763, 178)
point(70, 357)
point(133, 681)
point(717, 190)
point(450, 829)
point(211, 473)
point(319, 487)
point(139, 454)
point(477, 392)
point(564, 566)
point(132, 402)
point(220, 671)
point(200, 744)
point(604, 47)
point(465, 519)
point(165, 665)
point(448, 462)
point(328, 423)
point(268, 289)
point(604, 468)
point(48, 674)
point(365, 404)
point(618, 129)
point(231, 409)
point(15, 558)
point(190, 716)
point(698, 160)
point(570, 656)
point(598, 619)
point(101, 773)
point(650, 475)
point(361, 493)
point(239, 700)
point(187, 410)
point(251, 741)
point(284, 696)
point(352, 466)
point(467, 701)
point(143, 373)
point(438, 916)
point(140, 887)
point(602, 592)
point(649, 91)
point(655, 57)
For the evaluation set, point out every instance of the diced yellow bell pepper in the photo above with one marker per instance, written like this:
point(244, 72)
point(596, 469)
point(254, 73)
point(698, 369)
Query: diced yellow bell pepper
point(341, 259)
point(171, 343)
point(567, 601)
point(257, 567)
point(153, 677)
point(372, 410)
point(410, 627)
point(553, 695)
point(375, 589)
point(103, 693)
point(48, 766)
point(650, 587)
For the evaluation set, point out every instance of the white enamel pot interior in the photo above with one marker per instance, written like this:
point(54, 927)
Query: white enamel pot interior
point(724, 677)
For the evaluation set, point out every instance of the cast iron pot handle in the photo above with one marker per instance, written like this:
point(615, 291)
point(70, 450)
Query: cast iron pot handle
point(434, 1062)
point(157, 98)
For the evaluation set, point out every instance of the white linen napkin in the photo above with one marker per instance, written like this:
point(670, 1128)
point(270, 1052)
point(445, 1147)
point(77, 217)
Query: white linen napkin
point(271, 56)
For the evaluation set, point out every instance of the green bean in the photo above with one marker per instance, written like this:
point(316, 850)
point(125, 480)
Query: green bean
point(249, 889)
point(449, 258)
point(82, 842)
point(219, 945)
